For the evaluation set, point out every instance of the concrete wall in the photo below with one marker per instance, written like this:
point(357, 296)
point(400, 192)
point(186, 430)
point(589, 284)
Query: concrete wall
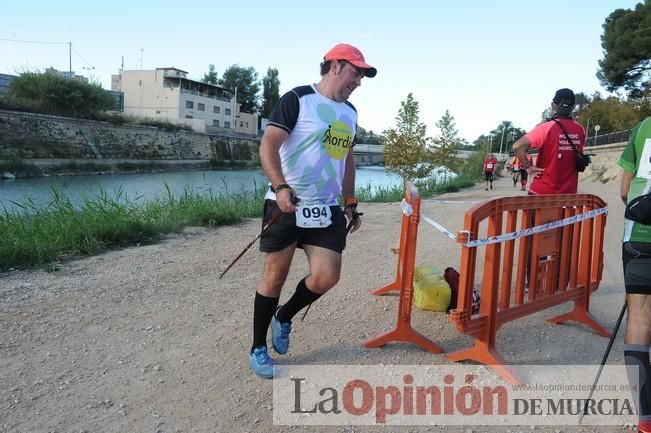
point(604, 166)
point(27, 136)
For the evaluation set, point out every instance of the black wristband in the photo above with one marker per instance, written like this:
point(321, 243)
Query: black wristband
point(280, 187)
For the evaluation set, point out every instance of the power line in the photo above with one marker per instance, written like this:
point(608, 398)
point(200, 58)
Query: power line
point(80, 56)
point(33, 42)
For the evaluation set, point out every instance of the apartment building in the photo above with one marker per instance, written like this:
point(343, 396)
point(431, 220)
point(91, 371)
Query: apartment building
point(167, 93)
point(4, 82)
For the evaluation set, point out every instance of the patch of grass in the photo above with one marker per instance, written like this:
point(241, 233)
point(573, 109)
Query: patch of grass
point(32, 236)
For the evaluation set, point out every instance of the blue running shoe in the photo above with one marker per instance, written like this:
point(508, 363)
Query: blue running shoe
point(280, 335)
point(261, 363)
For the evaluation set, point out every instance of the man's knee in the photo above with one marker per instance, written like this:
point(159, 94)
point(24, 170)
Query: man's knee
point(322, 283)
point(272, 282)
point(638, 327)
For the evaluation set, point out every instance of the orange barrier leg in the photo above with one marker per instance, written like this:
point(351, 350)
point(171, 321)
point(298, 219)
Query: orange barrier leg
point(482, 352)
point(403, 332)
point(393, 287)
point(581, 315)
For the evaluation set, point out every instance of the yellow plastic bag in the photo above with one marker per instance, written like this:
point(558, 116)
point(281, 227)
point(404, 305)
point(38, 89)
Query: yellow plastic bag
point(431, 291)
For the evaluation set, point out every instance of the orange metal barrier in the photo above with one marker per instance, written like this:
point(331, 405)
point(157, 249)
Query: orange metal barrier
point(564, 264)
point(404, 279)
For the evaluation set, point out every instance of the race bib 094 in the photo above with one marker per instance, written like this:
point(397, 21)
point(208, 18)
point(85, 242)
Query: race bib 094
point(313, 215)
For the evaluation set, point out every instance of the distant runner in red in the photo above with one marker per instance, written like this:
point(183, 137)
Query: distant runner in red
point(489, 167)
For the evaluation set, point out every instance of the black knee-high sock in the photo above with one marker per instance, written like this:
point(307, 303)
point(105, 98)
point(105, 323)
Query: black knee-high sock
point(637, 355)
point(301, 298)
point(263, 310)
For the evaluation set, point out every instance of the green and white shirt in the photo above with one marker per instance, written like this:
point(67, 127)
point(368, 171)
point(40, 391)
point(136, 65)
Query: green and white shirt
point(636, 159)
point(321, 132)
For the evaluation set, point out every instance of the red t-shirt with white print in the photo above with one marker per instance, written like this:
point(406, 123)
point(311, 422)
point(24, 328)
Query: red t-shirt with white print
point(489, 165)
point(557, 156)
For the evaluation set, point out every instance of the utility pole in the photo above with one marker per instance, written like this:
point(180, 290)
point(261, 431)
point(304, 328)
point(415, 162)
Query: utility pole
point(70, 58)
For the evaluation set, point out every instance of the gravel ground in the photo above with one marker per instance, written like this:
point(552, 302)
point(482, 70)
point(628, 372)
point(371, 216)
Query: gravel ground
point(147, 339)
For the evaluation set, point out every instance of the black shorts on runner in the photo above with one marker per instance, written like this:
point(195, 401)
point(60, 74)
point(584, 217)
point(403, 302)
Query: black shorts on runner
point(523, 174)
point(636, 258)
point(284, 231)
point(489, 175)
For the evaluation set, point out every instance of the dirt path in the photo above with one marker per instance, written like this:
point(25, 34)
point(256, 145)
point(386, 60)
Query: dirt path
point(147, 339)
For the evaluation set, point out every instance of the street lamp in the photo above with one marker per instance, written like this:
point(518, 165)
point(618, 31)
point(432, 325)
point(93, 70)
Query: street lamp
point(512, 135)
point(502, 140)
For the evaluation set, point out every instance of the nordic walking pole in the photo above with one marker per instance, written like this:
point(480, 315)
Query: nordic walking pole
point(271, 222)
point(605, 358)
point(350, 226)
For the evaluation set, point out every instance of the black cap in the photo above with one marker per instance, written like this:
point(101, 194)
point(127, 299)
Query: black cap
point(564, 98)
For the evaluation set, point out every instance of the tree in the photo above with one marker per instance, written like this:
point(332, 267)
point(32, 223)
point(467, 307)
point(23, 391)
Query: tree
point(247, 84)
point(270, 91)
point(51, 93)
point(405, 148)
point(444, 152)
point(626, 42)
point(612, 114)
point(211, 76)
point(486, 144)
point(503, 135)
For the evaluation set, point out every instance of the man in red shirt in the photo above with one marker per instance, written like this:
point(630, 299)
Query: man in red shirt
point(555, 168)
point(489, 167)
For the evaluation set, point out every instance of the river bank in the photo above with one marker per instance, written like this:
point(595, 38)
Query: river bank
point(23, 169)
point(148, 339)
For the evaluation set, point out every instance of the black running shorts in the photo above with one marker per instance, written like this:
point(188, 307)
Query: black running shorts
point(284, 232)
point(636, 258)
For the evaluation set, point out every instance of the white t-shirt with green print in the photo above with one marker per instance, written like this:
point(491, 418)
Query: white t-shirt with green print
point(321, 133)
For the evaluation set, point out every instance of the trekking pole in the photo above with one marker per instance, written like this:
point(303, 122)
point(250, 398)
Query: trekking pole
point(271, 222)
point(350, 226)
point(604, 359)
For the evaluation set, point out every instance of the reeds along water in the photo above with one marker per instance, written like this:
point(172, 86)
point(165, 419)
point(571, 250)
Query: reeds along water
point(33, 235)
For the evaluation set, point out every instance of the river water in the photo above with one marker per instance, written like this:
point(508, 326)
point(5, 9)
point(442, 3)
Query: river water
point(146, 186)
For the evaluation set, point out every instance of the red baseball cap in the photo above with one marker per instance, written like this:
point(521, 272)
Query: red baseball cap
point(353, 55)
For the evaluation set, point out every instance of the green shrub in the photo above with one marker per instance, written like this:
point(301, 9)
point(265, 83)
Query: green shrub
point(53, 94)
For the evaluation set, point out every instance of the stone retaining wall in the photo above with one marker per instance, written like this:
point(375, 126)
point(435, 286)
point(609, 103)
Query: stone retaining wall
point(30, 136)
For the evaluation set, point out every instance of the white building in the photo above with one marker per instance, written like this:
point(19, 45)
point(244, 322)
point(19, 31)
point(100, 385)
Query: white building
point(167, 94)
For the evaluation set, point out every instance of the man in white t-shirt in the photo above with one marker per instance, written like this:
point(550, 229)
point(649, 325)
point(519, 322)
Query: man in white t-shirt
point(306, 153)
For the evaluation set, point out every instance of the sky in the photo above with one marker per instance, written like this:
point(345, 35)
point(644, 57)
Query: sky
point(485, 62)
